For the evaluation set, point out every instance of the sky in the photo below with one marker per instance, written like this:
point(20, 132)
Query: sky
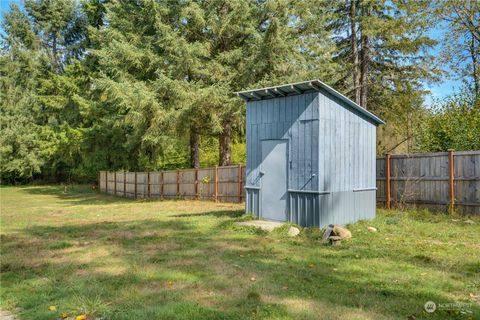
point(437, 90)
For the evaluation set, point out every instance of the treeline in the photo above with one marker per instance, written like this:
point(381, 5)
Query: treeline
point(148, 85)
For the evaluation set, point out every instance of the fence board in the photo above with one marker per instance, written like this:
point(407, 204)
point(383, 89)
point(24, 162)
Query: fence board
point(187, 184)
point(155, 180)
point(205, 183)
point(170, 184)
point(130, 184)
point(142, 187)
point(422, 179)
point(119, 183)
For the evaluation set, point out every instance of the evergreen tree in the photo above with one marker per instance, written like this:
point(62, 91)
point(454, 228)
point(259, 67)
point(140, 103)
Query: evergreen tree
point(37, 44)
point(385, 50)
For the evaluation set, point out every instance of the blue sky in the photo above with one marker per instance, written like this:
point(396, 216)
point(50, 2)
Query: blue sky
point(438, 90)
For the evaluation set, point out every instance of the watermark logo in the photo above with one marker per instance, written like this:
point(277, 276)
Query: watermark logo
point(430, 306)
point(461, 307)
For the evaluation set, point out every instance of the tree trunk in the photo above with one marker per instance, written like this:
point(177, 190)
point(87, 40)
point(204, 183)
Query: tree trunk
point(353, 41)
point(55, 53)
point(225, 145)
point(365, 60)
point(194, 149)
point(475, 72)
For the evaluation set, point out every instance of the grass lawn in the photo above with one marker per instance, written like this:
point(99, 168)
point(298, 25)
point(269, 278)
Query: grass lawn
point(113, 258)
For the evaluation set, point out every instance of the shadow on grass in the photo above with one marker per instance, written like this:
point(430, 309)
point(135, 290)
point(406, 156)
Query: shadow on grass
point(77, 194)
point(169, 265)
point(230, 213)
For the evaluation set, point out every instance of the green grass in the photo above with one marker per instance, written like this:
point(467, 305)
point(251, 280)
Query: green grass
point(115, 258)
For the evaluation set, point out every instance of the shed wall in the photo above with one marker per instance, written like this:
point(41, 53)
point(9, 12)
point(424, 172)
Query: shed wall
point(347, 147)
point(349, 141)
point(331, 152)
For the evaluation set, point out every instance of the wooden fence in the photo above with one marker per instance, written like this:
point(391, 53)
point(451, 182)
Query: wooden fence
point(441, 181)
point(223, 184)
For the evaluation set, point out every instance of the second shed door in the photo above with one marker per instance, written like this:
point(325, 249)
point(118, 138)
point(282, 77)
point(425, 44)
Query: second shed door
point(274, 180)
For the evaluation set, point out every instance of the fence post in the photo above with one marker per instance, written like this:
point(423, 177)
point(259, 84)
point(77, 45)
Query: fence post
point(196, 183)
point(135, 185)
point(106, 181)
point(178, 183)
point(216, 184)
point(115, 182)
point(148, 184)
point(388, 191)
point(451, 180)
point(124, 184)
point(99, 176)
point(240, 183)
point(161, 184)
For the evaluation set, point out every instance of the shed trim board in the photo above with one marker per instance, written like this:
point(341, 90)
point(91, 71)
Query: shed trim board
point(330, 155)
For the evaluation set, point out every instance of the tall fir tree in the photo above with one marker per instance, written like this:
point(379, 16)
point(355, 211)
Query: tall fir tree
point(385, 49)
point(40, 40)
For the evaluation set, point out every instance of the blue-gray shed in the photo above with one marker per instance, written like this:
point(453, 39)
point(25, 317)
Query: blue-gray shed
point(310, 155)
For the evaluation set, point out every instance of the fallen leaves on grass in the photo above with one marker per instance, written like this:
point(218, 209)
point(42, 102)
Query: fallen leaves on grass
point(253, 279)
point(81, 317)
point(52, 308)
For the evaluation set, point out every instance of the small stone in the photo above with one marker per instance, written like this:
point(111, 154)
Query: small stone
point(293, 231)
point(469, 221)
point(342, 232)
point(253, 279)
point(372, 229)
point(336, 230)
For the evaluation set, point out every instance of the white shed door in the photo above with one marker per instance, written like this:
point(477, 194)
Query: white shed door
point(274, 180)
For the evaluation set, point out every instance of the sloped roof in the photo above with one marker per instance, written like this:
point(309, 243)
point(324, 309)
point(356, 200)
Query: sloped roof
point(300, 88)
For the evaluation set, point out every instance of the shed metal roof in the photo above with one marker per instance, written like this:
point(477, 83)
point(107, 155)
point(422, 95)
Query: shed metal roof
point(300, 88)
